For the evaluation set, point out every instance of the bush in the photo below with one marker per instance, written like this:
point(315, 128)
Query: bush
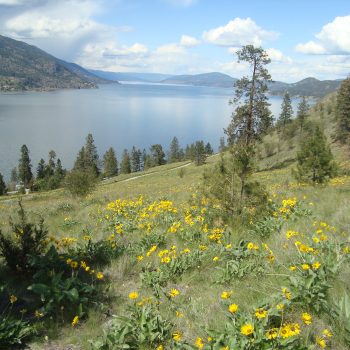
point(80, 182)
point(26, 239)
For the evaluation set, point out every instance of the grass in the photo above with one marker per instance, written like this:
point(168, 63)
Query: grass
point(200, 292)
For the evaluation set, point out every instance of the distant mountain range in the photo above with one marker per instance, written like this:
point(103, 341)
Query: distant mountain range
point(25, 67)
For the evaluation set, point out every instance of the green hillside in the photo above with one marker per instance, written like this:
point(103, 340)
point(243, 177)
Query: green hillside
point(25, 67)
point(182, 278)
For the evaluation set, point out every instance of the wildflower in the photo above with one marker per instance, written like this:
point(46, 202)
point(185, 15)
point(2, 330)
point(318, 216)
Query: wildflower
point(139, 258)
point(38, 314)
point(99, 275)
point(166, 260)
point(160, 347)
point(216, 258)
point(173, 293)
point(280, 306)
point(307, 318)
point(252, 246)
point(177, 336)
point(75, 321)
point(272, 333)
point(233, 308)
point(260, 313)
point(247, 329)
point(133, 295)
point(74, 265)
point(327, 333)
point(287, 294)
point(316, 265)
point(199, 343)
point(226, 295)
point(292, 268)
point(321, 342)
point(13, 299)
point(305, 267)
point(178, 313)
point(228, 246)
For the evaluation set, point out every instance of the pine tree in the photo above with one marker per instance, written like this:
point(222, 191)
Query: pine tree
point(286, 111)
point(14, 175)
point(3, 189)
point(157, 154)
point(252, 117)
point(315, 159)
point(222, 145)
point(110, 163)
point(136, 155)
point(208, 149)
point(125, 166)
point(343, 113)
point(91, 155)
point(24, 167)
point(50, 169)
point(40, 170)
point(174, 155)
point(79, 163)
point(199, 153)
point(302, 114)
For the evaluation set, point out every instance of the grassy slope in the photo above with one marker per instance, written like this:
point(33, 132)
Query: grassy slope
point(66, 216)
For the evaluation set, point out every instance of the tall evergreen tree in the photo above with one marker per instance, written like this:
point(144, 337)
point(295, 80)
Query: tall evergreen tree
point(252, 116)
point(91, 155)
point(110, 163)
point(222, 145)
point(14, 175)
point(2, 186)
point(157, 154)
point(208, 149)
point(286, 111)
point(302, 114)
point(59, 171)
point(125, 165)
point(24, 167)
point(199, 153)
point(174, 155)
point(50, 169)
point(40, 169)
point(343, 113)
point(315, 159)
point(79, 163)
point(135, 160)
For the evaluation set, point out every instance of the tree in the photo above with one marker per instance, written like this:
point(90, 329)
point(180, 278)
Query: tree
point(343, 113)
point(91, 155)
point(24, 167)
point(135, 160)
point(199, 153)
point(252, 117)
point(125, 166)
point(80, 182)
point(157, 154)
point(110, 163)
point(3, 189)
point(40, 170)
point(174, 155)
point(79, 163)
point(315, 159)
point(50, 169)
point(222, 145)
point(14, 175)
point(286, 111)
point(302, 114)
point(208, 149)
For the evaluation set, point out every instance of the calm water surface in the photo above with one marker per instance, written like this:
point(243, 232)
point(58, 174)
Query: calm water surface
point(117, 115)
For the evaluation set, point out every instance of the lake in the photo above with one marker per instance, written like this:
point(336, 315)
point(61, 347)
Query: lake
point(117, 115)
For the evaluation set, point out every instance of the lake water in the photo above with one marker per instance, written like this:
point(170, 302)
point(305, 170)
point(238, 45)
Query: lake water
point(117, 115)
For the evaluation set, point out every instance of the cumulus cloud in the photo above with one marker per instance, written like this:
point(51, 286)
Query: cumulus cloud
point(239, 32)
point(189, 41)
point(277, 56)
point(334, 38)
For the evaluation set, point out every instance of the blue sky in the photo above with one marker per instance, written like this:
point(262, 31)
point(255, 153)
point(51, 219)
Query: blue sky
point(303, 37)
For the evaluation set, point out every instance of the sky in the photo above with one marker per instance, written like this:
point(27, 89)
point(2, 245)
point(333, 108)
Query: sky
point(302, 37)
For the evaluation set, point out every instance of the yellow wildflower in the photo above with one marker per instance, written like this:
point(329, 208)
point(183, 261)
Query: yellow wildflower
point(226, 295)
point(199, 343)
point(13, 299)
point(260, 313)
point(272, 333)
point(233, 308)
point(177, 336)
point(307, 318)
point(321, 342)
point(75, 321)
point(173, 293)
point(247, 329)
point(316, 265)
point(99, 275)
point(133, 295)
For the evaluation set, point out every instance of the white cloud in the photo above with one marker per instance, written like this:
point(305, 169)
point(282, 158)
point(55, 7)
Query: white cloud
point(277, 56)
point(170, 49)
point(239, 32)
point(334, 38)
point(188, 41)
point(10, 2)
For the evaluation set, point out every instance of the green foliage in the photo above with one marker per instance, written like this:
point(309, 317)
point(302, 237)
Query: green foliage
point(125, 165)
point(303, 112)
point(343, 113)
point(315, 159)
point(157, 155)
point(80, 182)
point(142, 328)
point(24, 167)
point(26, 239)
point(3, 188)
point(341, 317)
point(199, 153)
point(175, 151)
point(14, 333)
point(136, 156)
point(110, 163)
point(286, 112)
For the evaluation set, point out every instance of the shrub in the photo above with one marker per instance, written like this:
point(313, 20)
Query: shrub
point(80, 182)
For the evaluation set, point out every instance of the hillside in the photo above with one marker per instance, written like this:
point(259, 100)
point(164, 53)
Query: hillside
point(213, 79)
point(131, 76)
point(25, 67)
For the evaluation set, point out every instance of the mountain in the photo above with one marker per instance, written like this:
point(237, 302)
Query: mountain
point(306, 87)
point(122, 76)
point(26, 67)
point(213, 79)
